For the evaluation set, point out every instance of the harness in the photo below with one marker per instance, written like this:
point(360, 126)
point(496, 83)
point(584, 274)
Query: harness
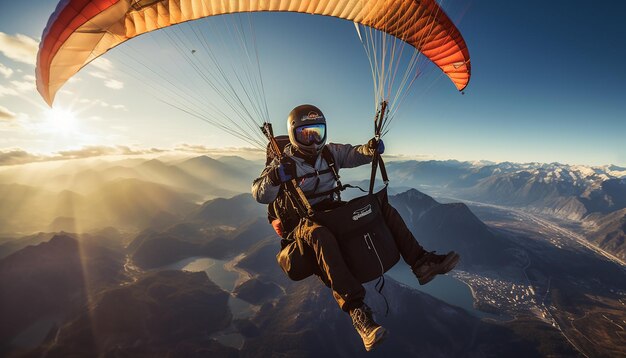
point(364, 239)
point(328, 157)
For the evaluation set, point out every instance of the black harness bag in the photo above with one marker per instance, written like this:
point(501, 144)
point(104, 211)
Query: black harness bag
point(366, 244)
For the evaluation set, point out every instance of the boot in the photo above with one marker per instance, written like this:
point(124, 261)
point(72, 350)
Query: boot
point(431, 264)
point(371, 332)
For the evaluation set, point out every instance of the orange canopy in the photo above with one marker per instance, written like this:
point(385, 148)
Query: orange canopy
point(81, 30)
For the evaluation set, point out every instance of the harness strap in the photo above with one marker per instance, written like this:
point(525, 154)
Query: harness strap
point(314, 174)
point(335, 190)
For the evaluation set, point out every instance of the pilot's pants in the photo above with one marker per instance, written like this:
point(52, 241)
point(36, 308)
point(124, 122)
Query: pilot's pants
point(334, 272)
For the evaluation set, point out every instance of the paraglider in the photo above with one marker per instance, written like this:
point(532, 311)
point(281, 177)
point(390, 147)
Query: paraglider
point(80, 31)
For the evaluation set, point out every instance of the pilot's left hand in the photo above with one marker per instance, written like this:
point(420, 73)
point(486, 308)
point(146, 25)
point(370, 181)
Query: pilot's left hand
point(376, 144)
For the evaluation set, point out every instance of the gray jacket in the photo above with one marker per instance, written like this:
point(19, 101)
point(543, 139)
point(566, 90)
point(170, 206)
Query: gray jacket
point(345, 155)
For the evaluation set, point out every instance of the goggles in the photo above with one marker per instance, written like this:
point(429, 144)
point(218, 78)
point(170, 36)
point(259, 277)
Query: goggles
point(309, 134)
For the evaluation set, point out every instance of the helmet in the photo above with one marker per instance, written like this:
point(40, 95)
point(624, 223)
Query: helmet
point(306, 125)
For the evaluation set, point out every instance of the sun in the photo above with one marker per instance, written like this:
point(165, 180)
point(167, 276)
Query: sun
point(61, 120)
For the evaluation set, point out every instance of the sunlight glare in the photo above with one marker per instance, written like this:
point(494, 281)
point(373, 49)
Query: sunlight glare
point(61, 120)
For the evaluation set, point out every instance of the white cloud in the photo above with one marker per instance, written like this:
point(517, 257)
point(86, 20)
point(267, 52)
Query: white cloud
point(93, 102)
point(6, 114)
point(6, 91)
point(19, 48)
point(5, 71)
point(102, 64)
point(101, 103)
point(108, 81)
point(98, 74)
point(23, 86)
point(29, 78)
point(200, 148)
point(114, 84)
point(12, 156)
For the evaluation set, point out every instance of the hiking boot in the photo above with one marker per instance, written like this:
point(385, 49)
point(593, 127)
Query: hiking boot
point(371, 332)
point(431, 264)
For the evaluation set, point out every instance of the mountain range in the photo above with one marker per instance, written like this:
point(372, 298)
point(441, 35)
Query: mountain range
point(591, 197)
point(108, 294)
point(133, 194)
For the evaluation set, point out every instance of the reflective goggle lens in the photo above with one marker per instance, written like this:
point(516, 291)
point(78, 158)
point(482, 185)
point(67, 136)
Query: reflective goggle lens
point(314, 133)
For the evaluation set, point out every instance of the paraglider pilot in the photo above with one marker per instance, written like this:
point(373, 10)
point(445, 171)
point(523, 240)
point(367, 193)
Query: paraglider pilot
point(305, 158)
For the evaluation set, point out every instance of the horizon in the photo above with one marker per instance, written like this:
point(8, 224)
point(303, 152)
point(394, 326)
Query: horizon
point(8, 159)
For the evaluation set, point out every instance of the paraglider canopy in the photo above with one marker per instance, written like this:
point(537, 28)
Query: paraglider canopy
point(81, 30)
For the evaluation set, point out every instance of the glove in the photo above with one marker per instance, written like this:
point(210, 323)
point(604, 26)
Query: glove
point(278, 227)
point(373, 144)
point(282, 173)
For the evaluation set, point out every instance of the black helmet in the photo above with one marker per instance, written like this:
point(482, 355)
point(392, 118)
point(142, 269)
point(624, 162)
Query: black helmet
point(306, 125)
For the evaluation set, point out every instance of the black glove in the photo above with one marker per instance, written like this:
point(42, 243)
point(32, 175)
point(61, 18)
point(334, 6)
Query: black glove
point(374, 144)
point(283, 172)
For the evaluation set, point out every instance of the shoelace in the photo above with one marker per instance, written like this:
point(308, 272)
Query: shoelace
point(361, 320)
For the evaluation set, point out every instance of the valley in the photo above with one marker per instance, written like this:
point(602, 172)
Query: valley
point(560, 278)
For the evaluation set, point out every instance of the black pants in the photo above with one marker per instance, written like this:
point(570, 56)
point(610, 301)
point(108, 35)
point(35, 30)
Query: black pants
point(347, 290)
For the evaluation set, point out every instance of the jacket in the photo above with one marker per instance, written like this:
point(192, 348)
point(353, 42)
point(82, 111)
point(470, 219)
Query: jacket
point(345, 155)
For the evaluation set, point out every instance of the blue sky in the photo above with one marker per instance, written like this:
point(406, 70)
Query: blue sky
point(546, 87)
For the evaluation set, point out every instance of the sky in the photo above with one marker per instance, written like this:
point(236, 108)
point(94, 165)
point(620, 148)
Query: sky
point(546, 86)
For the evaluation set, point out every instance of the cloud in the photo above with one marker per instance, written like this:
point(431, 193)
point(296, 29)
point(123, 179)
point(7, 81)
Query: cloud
point(20, 156)
point(17, 156)
point(202, 149)
point(6, 114)
point(98, 74)
point(19, 48)
point(102, 64)
point(114, 84)
point(98, 151)
point(5, 71)
point(94, 102)
point(23, 86)
point(6, 91)
point(17, 87)
point(105, 67)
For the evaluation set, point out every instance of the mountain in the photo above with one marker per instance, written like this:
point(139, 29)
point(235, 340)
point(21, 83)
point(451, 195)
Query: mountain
point(133, 203)
point(230, 212)
point(162, 314)
point(241, 163)
point(515, 184)
point(417, 173)
point(447, 227)
point(609, 232)
point(23, 207)
point(155, 249)
point(175, 177)
point(122, 203)
point(12, 245)
point(581, 194)
point(305, 322)
point(52, 279)
point(231, 173)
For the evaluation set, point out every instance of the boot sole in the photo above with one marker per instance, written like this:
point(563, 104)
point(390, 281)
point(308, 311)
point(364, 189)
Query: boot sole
point(376, 338)
point(446, 266)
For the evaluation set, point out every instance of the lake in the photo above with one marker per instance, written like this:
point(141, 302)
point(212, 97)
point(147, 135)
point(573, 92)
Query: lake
point(443, 287)
point(226, 279)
